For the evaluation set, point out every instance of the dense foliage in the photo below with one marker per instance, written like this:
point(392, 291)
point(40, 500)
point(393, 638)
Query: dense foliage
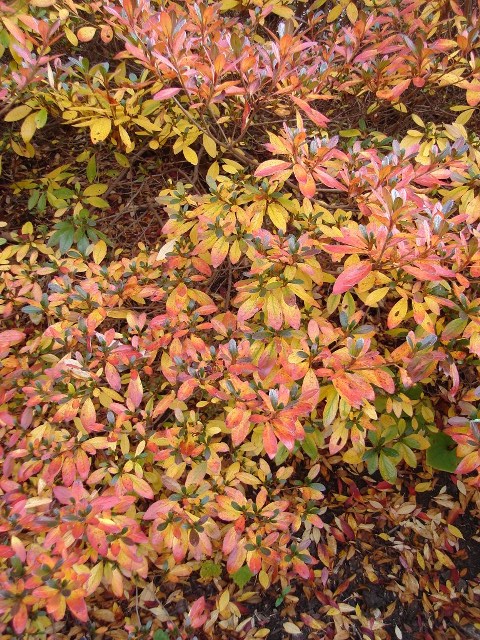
point(240, 280)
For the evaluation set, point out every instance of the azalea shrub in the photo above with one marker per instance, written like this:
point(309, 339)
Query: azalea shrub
point(307, 299)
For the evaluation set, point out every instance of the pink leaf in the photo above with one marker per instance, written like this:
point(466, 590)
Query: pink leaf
point(270, 167)
point(351, 276)
point(10, 337)
point(198, 615)
point(314, 115)
point(164, 94)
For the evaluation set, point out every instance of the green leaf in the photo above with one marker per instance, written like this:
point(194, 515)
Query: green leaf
point(454, 329)
point(63, 193)
point(210, 569)
point(41, 118)
point(92, 169)
point(100, 203)
point(349, 133)
point(387, 469)
point(95, 189)
point(242, 576)
point(309, 446)
point(441, 453)
point(122, 160)
point(282, 454)
point(161, 635)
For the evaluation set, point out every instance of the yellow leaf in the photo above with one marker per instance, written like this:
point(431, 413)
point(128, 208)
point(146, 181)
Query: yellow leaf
point(71, 37)
point(210, 146)
point(18, 113)
point(213, 170)
point(94, 578)
point(190, 155)
point(99, 251)
point(235, 252)
point(224, 600)
point(229, 4)
point(397, 313)
point(448, 79)
point(456, 532)
point(374, 297)
point(29, 126)
point(283, 12)
point(352, 12)
point(231, 166)
point(122, 160)
point(418, 121)
point(423, 486)
point(353, 456)
point(125, 138)
point(97, 189)
point(334, 13)
point(85, 34)
point(100, 129)
point(278, 215)
point(464, 117)
point(117, 313)
point(264, 579)
point(292, 628)
point(444, 559)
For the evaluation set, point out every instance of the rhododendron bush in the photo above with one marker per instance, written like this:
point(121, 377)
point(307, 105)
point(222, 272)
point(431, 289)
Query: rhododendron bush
point(240, 330)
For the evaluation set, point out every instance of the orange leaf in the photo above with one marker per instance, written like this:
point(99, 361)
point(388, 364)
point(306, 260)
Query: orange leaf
point(77, 606)
point(135, 389)
point(469, 463)
point(270, 441)
point(238, 421)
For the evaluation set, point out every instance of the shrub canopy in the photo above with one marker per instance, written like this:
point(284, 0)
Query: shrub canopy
point(240, 313)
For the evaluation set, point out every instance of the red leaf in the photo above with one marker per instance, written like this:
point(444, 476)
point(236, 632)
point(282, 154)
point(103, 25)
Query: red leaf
point(351, 276)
